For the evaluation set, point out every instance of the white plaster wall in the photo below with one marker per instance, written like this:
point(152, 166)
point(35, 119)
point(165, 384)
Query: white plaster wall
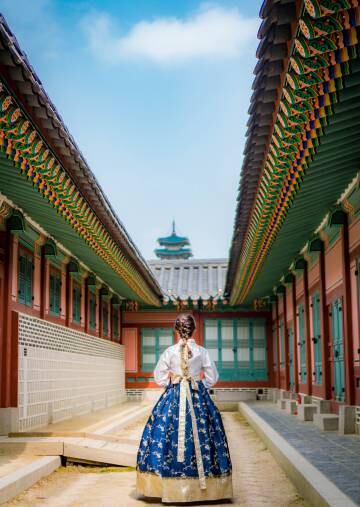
point(63, 373)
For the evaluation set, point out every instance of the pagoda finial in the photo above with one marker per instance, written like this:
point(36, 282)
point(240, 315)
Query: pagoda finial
point(174, 246)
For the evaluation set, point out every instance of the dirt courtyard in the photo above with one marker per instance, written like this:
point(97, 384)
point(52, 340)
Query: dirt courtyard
point(257, 478)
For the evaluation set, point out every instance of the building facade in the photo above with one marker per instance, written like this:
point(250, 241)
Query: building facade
point(297, 232)
point(84, 319)
point(66, 263)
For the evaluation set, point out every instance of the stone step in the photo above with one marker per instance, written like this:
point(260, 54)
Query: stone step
point(281, 404)
point(327, 422)
point(290, 406)
point(306, 412)
point(324, 406)
point(306, 399)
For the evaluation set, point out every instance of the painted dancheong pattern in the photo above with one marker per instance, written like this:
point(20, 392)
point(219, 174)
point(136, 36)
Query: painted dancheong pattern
point(326, 42)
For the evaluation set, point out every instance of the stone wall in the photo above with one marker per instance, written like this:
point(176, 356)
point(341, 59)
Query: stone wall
point(64, 373)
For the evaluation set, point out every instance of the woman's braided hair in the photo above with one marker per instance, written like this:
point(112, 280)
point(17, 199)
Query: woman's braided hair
point(185, 325)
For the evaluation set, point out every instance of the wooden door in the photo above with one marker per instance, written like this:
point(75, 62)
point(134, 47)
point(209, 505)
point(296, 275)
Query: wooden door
point(338, 350)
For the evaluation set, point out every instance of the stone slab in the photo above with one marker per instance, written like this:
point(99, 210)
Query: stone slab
point(16, 482)
point(327, 422)
point(281, 404)
point(291, 407)
point(306, 412)
point(234, 395)
point(314, 486)
point(347, 419)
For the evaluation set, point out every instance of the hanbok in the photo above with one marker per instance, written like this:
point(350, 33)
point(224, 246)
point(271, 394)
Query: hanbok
point(183, 454)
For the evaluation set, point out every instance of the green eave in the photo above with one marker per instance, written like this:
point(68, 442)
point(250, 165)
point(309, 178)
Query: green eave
point(173, 253)
point(21, 191)
point(335, 164)
point(173, 240)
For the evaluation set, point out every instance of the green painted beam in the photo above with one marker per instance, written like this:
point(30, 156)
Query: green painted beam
point(334, 166)
point(16, 187)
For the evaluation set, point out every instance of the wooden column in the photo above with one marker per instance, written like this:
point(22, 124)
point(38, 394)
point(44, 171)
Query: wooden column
point(86, 313)
point(100, 315)
point(9, 349)
point(324, 327)
point(37, 276)
point(63, 293)
point(295, 336)
point(69, 298)
point(286, 344)
point(347, 313)
point(307, 331)
point(44, 285)
point(277, 327)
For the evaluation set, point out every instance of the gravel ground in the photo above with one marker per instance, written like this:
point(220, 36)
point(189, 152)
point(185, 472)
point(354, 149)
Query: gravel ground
point(258, 480)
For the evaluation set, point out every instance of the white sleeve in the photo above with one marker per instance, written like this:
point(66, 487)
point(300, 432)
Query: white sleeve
point(162, 369)
point(210, 370)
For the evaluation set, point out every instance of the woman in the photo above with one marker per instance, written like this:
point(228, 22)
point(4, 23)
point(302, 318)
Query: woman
point(183, 454)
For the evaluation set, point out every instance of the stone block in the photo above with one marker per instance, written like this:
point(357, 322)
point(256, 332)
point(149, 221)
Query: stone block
point(324, 407)
point(347, 419)
point(235, 395)
point(327, 422)
point(274, 395)
point(306, 399)
point(290, 406)
point(9, 420)
point(281, 404)
point(284, 395)
point(306, 412)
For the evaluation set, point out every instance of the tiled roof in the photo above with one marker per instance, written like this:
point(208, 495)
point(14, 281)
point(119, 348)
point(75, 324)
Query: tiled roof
point(24, 83)
point(191, 278)
point(274, 35)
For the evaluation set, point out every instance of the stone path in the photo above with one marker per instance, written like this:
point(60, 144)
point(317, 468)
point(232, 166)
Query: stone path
point(336, 456)
point(258, 480)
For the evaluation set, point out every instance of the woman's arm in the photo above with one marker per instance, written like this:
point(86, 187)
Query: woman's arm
point(162, 369)
point(210, 370)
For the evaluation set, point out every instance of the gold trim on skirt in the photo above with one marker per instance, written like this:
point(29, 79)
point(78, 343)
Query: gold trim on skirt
point(182, 490)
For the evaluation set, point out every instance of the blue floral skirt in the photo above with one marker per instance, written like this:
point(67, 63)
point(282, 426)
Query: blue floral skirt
point(160, 474)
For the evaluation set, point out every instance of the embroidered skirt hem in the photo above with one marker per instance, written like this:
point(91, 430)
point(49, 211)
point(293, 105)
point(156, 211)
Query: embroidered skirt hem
point(182, 490)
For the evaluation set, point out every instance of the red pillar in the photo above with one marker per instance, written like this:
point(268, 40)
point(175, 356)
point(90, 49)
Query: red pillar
point(286, 345)
point(295, 336)
point(9, 349)
point(324, 329)
point(347, 312)
point(86, 312)
point(277, 327)
point(307, 331)
point(37, 276)
point(68, 288)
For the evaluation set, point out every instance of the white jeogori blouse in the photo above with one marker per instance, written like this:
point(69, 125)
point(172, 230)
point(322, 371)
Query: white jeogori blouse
point(200, 361)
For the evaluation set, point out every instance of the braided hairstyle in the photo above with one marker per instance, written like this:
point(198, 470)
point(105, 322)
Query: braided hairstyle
point(185, 325)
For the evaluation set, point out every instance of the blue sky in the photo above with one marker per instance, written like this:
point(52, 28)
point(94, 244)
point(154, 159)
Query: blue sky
point(155, 93)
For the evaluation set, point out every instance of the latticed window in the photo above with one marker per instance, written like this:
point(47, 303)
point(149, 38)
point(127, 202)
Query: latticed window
point(302, 344)
point(55, 292)
point(105, 319)
point(92, 310)
point(153, 343)
point(76, 304)
point(316, 338)
point(25, 278)
point(238, 347)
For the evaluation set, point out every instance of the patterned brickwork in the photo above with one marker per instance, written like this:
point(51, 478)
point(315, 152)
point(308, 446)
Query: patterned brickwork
point(64, 373)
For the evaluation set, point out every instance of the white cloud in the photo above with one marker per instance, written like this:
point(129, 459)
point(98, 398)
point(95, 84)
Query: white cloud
point(213, 32)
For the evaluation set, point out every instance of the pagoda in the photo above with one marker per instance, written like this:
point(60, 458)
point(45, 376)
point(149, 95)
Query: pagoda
point(173, 246)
